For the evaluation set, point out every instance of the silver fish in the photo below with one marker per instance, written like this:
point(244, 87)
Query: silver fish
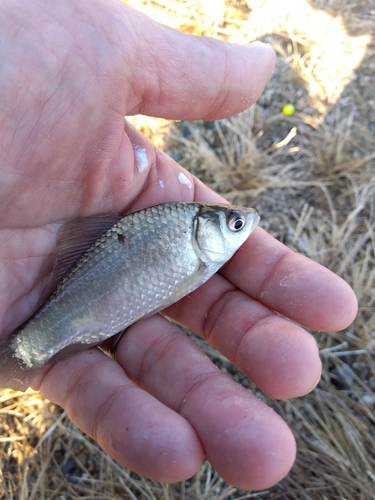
point(141, 264)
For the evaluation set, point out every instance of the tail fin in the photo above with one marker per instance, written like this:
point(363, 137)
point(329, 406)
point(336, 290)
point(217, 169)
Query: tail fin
point(14, 374)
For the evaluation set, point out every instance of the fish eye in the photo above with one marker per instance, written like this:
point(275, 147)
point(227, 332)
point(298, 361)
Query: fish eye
point(236, 221)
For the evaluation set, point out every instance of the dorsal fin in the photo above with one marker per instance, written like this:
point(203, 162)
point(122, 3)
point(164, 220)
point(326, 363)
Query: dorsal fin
point(74, 238)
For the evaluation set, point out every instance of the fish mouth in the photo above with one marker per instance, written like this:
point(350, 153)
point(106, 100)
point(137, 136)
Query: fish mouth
point(255, 221)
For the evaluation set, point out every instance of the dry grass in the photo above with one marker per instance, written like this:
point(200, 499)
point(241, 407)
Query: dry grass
point(312, 178)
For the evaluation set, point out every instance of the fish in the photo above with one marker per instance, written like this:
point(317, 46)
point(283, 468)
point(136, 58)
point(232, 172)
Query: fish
point(112, 271)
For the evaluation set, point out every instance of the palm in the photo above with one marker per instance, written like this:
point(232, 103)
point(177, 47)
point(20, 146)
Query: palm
point(37, 198)
point(66, 153)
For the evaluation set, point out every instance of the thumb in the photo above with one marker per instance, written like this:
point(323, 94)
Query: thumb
point(178, 76)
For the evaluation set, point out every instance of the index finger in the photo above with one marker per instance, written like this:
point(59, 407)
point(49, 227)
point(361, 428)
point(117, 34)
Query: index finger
point(291, 284)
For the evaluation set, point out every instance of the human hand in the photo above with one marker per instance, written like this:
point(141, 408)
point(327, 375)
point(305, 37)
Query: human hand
point(70, 73)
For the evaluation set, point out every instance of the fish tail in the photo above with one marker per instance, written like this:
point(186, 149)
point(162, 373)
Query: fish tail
point(14, 374)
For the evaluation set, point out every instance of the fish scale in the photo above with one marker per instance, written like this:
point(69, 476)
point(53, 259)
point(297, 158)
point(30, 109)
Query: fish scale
point(143, 263)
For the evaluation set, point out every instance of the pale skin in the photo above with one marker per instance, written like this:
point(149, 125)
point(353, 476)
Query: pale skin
point(70, 72)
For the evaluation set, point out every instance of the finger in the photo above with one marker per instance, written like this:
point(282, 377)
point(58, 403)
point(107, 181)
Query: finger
point(292, 284)
point(179, 76)
point(279, 356)
point(247, 443)
point(160, 179)
point(129, 424)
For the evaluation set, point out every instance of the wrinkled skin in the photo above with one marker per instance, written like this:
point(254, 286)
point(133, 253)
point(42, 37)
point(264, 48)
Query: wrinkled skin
point(70, 72)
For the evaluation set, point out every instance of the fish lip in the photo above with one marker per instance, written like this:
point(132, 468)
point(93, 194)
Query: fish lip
point(256, 219)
